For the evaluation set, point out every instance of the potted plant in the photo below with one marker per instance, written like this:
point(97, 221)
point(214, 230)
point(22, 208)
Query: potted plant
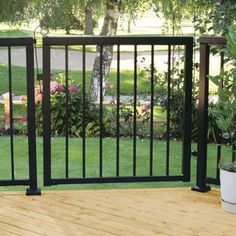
point(225, 118)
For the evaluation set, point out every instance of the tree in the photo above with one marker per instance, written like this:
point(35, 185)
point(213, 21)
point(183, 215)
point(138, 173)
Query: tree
point(109, 28)
point(69, 14)
point(132, 8)
point(61, 14)
point(14, 11)
point(221, 15)
point(91, 11)
point(174, 11)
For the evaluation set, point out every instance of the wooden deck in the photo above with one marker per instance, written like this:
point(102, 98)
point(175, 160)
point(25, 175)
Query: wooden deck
point(173, 211)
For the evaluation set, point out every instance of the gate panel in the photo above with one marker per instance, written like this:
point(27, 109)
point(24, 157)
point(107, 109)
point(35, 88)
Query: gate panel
point(9, 97)
point(99, 158)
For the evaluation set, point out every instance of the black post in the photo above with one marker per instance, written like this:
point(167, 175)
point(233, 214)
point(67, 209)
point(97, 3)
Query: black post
point(46, 114)
point(203, 120)
point(186, 167)
point(33, 189)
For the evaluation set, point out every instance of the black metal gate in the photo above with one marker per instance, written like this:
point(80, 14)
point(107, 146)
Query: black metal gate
point(89, 165)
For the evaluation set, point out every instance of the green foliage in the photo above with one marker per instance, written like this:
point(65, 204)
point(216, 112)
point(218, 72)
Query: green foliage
point(61, 14)
point(68, 120)
point(229, 166)
point(176, 100)
point(67, 14)
point(219, 15)
point(224, 112)
point(131, 9)
point(16, 10)
point(175, 11)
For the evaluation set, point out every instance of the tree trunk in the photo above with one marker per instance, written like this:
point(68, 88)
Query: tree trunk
point(109, 29)
point(88, 27)
point(129, 24)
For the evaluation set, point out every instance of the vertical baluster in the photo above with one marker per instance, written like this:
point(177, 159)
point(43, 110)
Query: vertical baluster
point(118, 114)
point(67, 114)
point(11, 113)
point(83, 122)
point(135, 111)
point(151, 109)
point(233, 152)
point(168, 112)
point(217, 161)
point(101, 114)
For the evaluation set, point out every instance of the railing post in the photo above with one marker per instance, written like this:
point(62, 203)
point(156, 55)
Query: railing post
point(201, 181)
point(186, 167)
point(33, 189)
point(46, 114)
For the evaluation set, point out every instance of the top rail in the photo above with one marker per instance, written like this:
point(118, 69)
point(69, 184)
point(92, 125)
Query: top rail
point(13, 41)
point(213, 40)
point(117, 40)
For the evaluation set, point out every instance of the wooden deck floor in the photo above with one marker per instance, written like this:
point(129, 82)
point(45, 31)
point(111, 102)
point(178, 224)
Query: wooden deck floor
point(174, 211)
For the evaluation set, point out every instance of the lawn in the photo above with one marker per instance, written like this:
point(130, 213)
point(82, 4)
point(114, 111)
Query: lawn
point(19, 80)
point(92, 160)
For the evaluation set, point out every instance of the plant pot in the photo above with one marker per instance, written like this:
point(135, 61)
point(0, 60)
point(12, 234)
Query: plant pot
point(228, 190)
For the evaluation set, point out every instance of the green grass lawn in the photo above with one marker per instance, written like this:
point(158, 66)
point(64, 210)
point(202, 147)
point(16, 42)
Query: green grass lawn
point(109, 161)
point(19, 80)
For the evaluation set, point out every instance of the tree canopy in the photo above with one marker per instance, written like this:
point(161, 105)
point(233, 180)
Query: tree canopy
point(16, 10)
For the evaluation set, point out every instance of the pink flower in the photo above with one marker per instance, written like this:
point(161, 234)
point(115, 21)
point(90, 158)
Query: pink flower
point(111, 101)
point(73, 88)
point(22, 98)
point(144, 108)
point(56, 87)
point(37, 95)
point(23, 119)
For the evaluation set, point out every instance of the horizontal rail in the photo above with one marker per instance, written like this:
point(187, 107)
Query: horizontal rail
point(20, 41)
point(117, 40)
point(14, 182)
point(213, 40)
point(120, 179)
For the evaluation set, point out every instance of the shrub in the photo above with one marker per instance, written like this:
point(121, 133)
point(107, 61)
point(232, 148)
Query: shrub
point(67, 110)
point(176, 102)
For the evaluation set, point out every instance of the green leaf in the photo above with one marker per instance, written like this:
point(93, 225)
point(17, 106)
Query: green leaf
point(214, 79)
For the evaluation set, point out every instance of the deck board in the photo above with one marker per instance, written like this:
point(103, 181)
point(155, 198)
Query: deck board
point(163, 211)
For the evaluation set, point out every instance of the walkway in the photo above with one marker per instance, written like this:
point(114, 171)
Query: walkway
point(75, 58)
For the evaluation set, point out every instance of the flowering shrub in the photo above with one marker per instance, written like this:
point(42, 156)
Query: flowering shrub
point(67, 110)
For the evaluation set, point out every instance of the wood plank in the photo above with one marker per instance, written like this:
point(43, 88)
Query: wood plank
point(173, 211)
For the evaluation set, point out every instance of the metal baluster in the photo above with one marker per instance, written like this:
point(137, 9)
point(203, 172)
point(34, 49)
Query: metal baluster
point(168, 112)
point(118, 114)
point(83, 122)
point(11, 113)
point(101, 114)
point(151, 108)
point(67, 114)
point(135, 111)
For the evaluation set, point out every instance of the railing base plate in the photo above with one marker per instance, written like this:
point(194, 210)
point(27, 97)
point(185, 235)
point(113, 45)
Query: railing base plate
point(202, 189)
point(30, 192)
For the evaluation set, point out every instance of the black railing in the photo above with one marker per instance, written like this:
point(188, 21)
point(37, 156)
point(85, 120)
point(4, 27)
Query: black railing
point(10, 44)
point(203, 177)
point(100, 159)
